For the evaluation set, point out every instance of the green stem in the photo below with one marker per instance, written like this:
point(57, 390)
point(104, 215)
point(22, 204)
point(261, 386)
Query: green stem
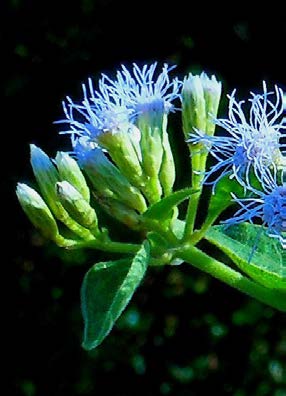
point(191, 213)
point(219, 270)
point(219, 202)
point(211, 218)
point(198, 168)
point(109, 246)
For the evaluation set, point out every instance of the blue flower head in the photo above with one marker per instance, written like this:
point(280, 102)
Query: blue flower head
point(268, 205)
point(142, 92)
point(96, 114)
point(116, 104)
point(252, 144)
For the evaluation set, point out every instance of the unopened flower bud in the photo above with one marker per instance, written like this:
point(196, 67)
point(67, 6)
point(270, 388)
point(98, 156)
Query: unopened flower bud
point(212, 94)
point(47, 176)
point(150, 122)
point(70, 171)
point(167, 172)
point(124, 149)
point(193, 105)
point(37, 211)
point(76, 205)
point(107, 178)
point(200, 100)
point(121, 212)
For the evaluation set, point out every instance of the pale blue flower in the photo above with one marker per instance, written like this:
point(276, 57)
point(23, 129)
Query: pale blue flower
point(253, 143)
point(268, 205)
point(144, 89)
point(116, 103)
point(97, 113)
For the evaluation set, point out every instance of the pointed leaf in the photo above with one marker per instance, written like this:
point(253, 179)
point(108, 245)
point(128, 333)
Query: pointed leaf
point(107, 289)
point(254, 252)
point(162, 210)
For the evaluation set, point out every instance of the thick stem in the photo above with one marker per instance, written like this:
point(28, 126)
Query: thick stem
point(219, 270)
point(198, 168)
point(191, 213)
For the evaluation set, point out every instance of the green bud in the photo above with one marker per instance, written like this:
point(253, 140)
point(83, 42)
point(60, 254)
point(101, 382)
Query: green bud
point(47, 176)
point(167, 172)
point(37, 211)
point(152, 154)
point(124, 149)
point(193, 105)
point(200, 101)
point(212, 94)
point(150, 120)
point(76, 205)
point(109, 182)
point(121, 212)
point(157, 156)
point(70, 171)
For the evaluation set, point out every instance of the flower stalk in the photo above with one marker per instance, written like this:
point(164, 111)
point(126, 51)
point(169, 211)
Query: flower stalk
point(200, 101)
point(235, 279)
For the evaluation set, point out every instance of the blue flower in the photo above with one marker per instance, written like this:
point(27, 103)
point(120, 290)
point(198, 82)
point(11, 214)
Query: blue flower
point(116, 104)
point(252, 144)
point(268, 205)
point(142, 90)
point(98, 112)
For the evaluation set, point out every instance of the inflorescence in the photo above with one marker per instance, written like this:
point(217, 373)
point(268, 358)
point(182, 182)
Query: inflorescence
point(124, 120)
point(117, 104)
point(251, 152)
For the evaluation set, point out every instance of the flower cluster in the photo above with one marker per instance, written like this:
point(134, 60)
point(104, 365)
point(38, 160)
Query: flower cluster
point(119, 138)
point(126, 117)
point(253, 154)
point(117, 104)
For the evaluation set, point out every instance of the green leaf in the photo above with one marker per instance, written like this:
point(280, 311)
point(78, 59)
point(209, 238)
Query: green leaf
point(222, 199)
point(253, 251)
point(163, 209)
point(106, 290)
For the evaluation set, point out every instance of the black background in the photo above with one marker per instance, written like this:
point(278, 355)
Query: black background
point(192, 335)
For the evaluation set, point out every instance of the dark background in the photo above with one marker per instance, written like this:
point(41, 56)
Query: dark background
point(183, 333)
